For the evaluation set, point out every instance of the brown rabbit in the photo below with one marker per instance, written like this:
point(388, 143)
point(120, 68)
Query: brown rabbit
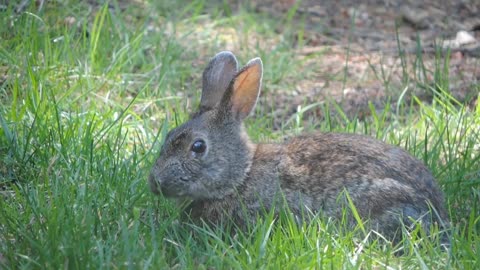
point(211, 162)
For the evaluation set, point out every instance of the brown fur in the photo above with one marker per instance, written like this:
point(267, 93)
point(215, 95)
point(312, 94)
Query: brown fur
point(237, 179)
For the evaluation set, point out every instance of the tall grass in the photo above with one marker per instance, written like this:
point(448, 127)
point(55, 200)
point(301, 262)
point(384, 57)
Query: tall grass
point(84, 108)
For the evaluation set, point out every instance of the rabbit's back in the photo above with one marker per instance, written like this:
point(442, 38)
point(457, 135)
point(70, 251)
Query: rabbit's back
point(383, 181)
point(325, 161)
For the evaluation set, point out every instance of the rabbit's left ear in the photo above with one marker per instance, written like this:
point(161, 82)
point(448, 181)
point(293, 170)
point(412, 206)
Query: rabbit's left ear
point(216, 79)
point(246, 89)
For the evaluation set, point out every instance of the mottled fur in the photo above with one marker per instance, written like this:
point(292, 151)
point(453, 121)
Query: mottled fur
point(237, 179)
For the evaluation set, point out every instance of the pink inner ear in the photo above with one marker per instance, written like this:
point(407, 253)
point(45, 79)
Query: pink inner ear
point(246, 89)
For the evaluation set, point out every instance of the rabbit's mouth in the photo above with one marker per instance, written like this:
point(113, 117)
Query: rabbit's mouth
point(180, 185)
point(170, 188)
point(158, 187)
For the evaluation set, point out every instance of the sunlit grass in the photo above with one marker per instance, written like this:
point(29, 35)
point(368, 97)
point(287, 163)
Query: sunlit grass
point(84, 109)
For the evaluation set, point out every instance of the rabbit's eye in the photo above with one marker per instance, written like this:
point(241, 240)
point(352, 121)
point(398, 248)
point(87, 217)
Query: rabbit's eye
point(199, 146)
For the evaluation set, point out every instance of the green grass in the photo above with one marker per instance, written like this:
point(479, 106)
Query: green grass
point(84, 109)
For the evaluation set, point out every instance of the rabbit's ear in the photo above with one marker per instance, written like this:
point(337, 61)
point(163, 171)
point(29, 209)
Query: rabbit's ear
point(246, 88)
point(216, 79)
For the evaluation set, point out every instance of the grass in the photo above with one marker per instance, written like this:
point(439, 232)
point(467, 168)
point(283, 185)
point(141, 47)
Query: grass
point(84, 108)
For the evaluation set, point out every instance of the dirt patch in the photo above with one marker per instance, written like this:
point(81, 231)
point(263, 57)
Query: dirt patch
point(379, 50)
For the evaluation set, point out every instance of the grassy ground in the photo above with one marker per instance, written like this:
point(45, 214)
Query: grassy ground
point(88, 92)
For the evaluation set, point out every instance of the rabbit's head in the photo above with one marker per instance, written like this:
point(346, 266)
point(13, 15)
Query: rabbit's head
point(208, 156)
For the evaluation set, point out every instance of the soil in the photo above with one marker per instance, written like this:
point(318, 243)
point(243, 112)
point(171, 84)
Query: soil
point(360, 39)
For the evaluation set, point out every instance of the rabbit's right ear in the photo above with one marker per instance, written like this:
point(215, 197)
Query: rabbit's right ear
point(243, 93)
point(216, 79)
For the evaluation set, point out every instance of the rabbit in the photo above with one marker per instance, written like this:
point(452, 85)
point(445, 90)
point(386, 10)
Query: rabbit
point(210, 162)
